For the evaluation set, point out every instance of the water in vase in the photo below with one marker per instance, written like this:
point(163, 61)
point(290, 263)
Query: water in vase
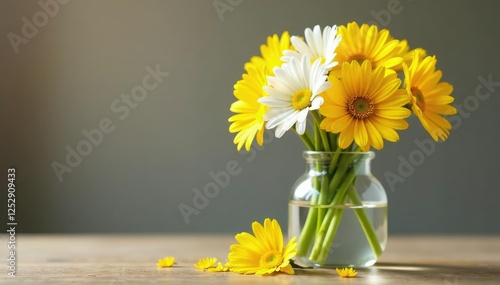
point(350, 246)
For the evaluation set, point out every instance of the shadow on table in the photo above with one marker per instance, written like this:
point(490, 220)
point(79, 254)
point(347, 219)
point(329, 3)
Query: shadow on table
point(447, 274)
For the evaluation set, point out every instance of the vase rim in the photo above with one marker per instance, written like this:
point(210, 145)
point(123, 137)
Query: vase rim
point(344, 152)
point(363, 154)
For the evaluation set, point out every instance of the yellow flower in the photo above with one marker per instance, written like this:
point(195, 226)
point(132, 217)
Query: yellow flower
point(408, 57)
point(166, 262)
point(271, 53)
point(368, 43)
point(407, 54)
point(249, 122)
point(205, 263)
point(263, 252)
point(219, 268)
point(346, 272)
point(365, 106)
point(430, 98)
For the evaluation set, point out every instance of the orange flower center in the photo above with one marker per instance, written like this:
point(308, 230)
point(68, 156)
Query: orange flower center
point(360, 107)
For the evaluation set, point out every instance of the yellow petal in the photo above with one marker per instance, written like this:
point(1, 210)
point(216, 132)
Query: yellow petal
point(288, 269)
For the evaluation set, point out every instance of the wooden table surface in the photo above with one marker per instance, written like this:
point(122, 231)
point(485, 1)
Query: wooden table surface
point(131, 259)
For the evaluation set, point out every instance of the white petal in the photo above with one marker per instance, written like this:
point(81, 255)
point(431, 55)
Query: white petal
point(316, 74)
point(276, 83)
point(273, 113)
point(287, 54)
point(279, 131)
point(308, 33)
point(299, 45)
point(326, 39)
point(286, 124)
point(318, 41)
point(284, 78)
point(295, 72)
point(320, 88)
point(300, 127)
point(290, 121)
point(331, 65)
point(316, 103)
point(277, 93)
point(302, 115)
point(306, 71)
point(273, 102)
point(275, 117)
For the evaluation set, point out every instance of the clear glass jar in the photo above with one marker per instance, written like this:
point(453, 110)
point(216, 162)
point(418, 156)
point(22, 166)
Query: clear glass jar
point(338, 211)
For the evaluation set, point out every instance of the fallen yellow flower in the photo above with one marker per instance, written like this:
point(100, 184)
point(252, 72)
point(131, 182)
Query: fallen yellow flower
point(346, 272)
point(205, 263)
point(219, 268)
point(166, 262)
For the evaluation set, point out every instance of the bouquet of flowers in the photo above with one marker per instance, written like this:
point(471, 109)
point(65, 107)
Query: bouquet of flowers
point(338, 89)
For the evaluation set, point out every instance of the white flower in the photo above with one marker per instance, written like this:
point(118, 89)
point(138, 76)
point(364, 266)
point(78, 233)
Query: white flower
point(293, 91)
point(318, 46)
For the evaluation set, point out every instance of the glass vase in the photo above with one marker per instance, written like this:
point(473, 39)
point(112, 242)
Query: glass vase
point(338, 211)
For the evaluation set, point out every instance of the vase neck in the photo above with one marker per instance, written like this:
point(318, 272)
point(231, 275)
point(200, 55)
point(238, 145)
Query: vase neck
point(320, 162)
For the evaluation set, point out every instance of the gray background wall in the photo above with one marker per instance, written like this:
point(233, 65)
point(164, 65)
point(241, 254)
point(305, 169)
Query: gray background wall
point(67, 76)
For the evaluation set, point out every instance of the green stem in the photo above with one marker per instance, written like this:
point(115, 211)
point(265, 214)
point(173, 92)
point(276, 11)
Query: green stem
point(333, 138)
point(328, 229)
point(335, 159)
point(332, 230)
point(307, 232)
point(365, 222)
point(306, 138)
point(326, 192)
point(323, 198)
point(317, 141)
point(317, 210)
point(343, 165)
point(322, 133)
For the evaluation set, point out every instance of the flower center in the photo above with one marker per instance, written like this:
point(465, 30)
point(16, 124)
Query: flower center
point(359, 58)
point(271, 259)
point(420, 98)
point(360, 107)
point(301, 99)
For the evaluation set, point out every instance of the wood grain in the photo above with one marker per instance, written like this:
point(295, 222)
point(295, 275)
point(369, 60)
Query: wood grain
point(131, 259)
